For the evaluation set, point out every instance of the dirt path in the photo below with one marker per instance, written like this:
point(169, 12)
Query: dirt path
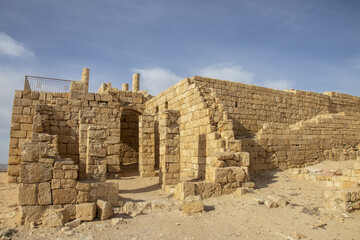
point(227, 217)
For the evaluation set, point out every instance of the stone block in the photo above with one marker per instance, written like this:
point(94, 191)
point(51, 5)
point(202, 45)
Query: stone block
point(33, 151)
point(113, 160)
point(192, 205)
point(33, 214)
point(64, 196)
point(83, 197)
point(55, 217)
point(184, 189)
point(68, 183)
point(104, 209)
point(58, 174)
point(13, 170)
point(86, 211)
point(35, 172)
point(71, 174)
point(44, 193)
point(27, 194)
point(55, 183)
point(83, 186)
point(73, 224)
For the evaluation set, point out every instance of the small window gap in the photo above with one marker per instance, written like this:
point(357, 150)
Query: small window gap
point(236, 104)
point(166, 105)
point(156, 109)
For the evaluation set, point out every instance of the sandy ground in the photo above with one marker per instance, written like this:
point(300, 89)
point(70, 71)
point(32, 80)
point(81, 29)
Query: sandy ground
point(226, 217)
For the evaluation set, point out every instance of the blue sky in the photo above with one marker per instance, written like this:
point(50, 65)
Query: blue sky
point(306, 44)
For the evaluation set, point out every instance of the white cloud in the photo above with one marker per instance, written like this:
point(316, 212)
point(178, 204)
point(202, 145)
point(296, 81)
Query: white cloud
point(156, 80)
point(12, 48)
point(227, 71)
point(277, 84)
point(13, 79)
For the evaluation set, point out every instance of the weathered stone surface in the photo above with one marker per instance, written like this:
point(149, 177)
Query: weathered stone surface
point(35, 172)
point(83, 197)
point(104, 209)
point(83, 186)
point(71, 174)
point(192, 205)
point(270, 204)
point(136, 208)
point(280, 201)
point(55, 218)
point(33, 151)
point(44, 194)
point(27, 194)
point(86, 211)
point(32, 214)
point(73, 224)
point(64, 196)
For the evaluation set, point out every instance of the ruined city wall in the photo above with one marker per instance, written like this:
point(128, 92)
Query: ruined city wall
point(252, 106)
point(58, 114)
point(263, 122)
point(330, 136)
point(194, 125)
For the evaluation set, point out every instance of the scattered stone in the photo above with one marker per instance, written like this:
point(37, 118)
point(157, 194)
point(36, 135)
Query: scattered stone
point(73, 224)
point(296, 235)
point(270, 204)
point(156, 204)
point(86, 211)
point(116, 221)
point(192, 205)
point(320, 224)
point(32, 225)
point(104, 209)
point(241, 191)
point(132, 209)
point(7, 233)
point(280, 201)
point(260, 200)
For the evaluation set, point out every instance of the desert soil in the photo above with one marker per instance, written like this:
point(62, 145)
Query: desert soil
point(230, 216)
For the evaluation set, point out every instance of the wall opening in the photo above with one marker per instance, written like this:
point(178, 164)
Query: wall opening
point(129, 143)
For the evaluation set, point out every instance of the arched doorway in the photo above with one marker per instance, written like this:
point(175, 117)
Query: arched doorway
point(129, 142)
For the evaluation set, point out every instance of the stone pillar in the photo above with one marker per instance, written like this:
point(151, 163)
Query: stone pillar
point(147, 146)
point(169, 148)
point(136, 82)
point(85, 76)
point(125, 87)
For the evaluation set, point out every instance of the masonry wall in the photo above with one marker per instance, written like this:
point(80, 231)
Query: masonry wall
point(270, 115)
point(68, 115)
point(252, 106)
point(199, 115)
point(330, 136)
point(194, 121)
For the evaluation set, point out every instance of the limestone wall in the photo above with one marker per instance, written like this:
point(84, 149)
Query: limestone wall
point(194, 125)
point(68, 115)
point(48, 182)
point(252, 106)
point(330, 136)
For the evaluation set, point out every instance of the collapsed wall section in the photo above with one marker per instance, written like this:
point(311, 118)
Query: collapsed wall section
point(256, 111)
point(251, 106)
point(330, 136)
point(49, 184)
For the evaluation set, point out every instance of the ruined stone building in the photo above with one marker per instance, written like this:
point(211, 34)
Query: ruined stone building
point(201, 136)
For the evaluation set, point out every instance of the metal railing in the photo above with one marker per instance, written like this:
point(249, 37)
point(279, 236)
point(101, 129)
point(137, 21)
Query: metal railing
point(42, 84)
